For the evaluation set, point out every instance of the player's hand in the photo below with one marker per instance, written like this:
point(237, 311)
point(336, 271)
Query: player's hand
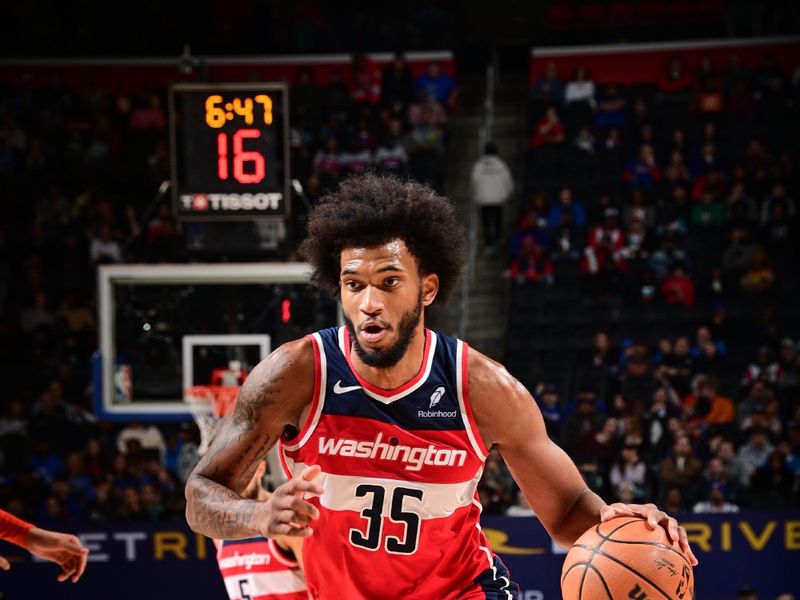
point(285, 512)
point(63, 549)
point(653, 518)
point(4, 564)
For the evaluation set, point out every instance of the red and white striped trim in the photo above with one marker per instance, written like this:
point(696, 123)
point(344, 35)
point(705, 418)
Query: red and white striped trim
point(278, 555)
point(462, 384)
point(388, 396)
point(320, 383)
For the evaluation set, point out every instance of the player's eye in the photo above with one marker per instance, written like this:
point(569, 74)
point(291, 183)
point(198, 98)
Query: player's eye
point(391, 281)
point(352, 285)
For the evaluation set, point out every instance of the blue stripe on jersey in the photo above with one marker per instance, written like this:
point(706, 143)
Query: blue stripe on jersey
point(496, 582)
point(244, 541)
point(412, 412)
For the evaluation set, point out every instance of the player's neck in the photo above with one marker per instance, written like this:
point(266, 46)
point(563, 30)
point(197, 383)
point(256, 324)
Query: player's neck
point(404, 371)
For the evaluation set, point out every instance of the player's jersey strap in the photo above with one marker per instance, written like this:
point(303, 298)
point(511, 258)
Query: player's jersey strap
point(257, 569)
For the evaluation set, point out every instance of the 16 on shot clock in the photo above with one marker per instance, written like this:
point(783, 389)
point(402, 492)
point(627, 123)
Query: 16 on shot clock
point(229, 151)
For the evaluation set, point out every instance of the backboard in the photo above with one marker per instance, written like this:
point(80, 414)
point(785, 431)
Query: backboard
point(166, 328)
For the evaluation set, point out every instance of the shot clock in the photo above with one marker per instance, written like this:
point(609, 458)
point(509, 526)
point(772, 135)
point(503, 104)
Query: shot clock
point(229, 151)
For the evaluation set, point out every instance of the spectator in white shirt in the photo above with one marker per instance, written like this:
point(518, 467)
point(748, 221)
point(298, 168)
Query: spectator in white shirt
point(716, 502)
point(491, 187)
point(580, 89)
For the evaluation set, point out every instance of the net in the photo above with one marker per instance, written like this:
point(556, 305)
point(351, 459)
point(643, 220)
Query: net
point(208, 404)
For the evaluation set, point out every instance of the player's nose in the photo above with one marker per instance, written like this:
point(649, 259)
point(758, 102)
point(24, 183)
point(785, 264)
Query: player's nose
point(371, 301)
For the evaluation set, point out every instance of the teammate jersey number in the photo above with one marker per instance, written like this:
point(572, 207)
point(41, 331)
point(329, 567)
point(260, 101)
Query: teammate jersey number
point(371, 538)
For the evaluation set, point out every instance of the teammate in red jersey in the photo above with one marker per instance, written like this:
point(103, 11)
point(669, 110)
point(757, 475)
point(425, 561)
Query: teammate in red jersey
point(385, 424)
point(261, 568)
point(63, 549)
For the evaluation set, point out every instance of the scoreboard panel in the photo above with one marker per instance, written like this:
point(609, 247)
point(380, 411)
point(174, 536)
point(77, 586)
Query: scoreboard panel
point(229, 145)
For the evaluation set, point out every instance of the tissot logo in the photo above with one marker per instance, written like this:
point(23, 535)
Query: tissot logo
point(232, 202)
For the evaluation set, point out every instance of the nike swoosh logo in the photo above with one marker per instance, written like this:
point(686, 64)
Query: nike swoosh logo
point(339, 389)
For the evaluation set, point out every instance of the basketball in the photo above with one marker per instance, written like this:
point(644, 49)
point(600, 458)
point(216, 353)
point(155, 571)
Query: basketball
point(622, 559)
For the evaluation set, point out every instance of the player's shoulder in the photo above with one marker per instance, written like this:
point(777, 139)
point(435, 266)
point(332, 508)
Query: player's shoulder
point(487, 376)
point(288, 370)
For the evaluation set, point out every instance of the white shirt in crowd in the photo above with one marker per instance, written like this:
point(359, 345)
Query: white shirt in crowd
point(578, 91)
point(491, 181)
point(149, 437)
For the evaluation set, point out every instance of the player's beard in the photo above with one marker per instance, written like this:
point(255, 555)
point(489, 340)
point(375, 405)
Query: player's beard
point(389, 357)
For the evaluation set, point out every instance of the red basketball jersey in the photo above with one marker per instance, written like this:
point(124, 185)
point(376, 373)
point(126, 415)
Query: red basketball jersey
point(399, 515)
point(257, 569)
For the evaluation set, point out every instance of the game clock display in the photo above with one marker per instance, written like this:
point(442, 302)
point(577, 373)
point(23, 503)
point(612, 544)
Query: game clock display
point(229, 146)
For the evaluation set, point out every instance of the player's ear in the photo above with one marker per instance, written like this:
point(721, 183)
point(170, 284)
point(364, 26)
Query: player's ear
point(430, 287)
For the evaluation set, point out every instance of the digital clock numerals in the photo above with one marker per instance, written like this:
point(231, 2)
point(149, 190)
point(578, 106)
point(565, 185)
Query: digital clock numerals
point(241, 157)
point(219, 112)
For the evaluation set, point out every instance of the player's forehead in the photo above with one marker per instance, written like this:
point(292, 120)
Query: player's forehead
point(393, 254)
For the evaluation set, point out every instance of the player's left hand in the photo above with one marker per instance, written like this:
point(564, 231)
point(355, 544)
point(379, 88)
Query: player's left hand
point(653, 518)
point(63, 549)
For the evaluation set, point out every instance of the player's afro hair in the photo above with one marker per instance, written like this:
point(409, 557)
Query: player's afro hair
point(370, 210)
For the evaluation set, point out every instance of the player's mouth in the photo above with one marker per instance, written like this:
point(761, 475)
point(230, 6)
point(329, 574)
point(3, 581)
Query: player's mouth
point(372, 331)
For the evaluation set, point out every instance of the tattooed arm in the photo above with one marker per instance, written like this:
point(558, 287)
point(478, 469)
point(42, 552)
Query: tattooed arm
point(275, 396)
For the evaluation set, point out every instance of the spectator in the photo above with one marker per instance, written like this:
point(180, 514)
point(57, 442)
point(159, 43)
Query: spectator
point(105, 248)
point(668, 254)
point(716, 501)
point(426, 109)
point(708, 404)
point(492, 185)
point(566, 204)
point(306, 96)
point(681, 469)
point(580, 89)
point(365, 78)
point(771, 482)
point(777, 196)
point(734, 467)
point(397, 85)
point(328, 164)
point(549, 130)
point(678, 288)
point(550, 406)
point(441, 86)
point(611, 107)
point(644, 172)
point(708, 97)
point(673, 501)
point(391, 156)
point(149, 437)
point(531, 265)
point(708, 214)
point(630, 469)
point(754, 454)
point(676, 173)
point(547, 90)
point(759, 277)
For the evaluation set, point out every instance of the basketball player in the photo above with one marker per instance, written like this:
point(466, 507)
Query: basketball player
point(267, 569)
point(385, 425)
point(63, 549)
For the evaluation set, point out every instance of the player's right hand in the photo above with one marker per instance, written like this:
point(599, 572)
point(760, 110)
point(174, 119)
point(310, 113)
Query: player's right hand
point(286, 512)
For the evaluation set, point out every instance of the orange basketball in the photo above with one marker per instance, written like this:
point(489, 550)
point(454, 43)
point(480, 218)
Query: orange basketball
point(622, 559)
